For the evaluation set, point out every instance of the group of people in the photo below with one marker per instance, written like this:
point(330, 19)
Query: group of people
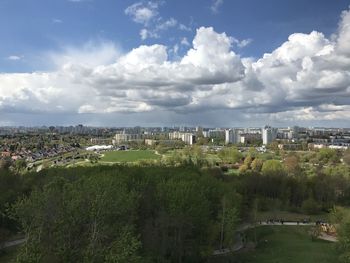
point(325, 227)
point(274, 221)
point(282, 221)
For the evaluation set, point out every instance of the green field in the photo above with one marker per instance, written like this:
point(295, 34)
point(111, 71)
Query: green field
point(288, 244)
point(129, 156)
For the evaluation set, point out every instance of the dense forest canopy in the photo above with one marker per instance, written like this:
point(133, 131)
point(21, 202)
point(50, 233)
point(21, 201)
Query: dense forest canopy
point(157, 213)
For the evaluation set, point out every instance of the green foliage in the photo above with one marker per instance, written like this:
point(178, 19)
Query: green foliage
point(273, 168)
point(243, 168)
point(123, 214)
point(5, 163)
point(326, 155)
point(257, 164)
point(341, 218)
point(310, 206)
point(129, 156)
point(248, 161)
point(292, 165)
point(346, 157)
point(230, 155)
point(70, 221)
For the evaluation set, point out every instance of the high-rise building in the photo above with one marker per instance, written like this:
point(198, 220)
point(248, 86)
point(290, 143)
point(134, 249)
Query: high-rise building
point(232, 136)
point(268, 134)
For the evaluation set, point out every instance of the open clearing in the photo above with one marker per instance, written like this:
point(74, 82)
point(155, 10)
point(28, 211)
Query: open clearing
point(129, 156)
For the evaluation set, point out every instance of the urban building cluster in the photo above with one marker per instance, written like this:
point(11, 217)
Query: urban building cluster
point(36, 143)
point(288, 137)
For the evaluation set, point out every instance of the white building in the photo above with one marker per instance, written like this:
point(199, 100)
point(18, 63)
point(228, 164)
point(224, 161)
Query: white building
point(268, 134)
point(126, 137)
point(186, 137)
point(232, 136)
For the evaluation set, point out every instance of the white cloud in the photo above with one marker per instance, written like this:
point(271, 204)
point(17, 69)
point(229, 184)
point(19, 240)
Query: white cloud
point(14, 57)
point(171, 22)
point(216, 4)
point(92, 53)
point(146, 13)
point(184, 42)
point(241, 43)
point(154, 32)
point(143, 76)
point(184, 27)
point(57, 21)
point(146, 33)
point(142, 13)
point(307, 78)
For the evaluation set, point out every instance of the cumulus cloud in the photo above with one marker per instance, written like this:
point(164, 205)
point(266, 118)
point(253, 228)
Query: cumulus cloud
point(307, 78)
point(140, 80)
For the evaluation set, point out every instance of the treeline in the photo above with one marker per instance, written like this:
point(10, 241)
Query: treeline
point(120, 214)
point(274, 189)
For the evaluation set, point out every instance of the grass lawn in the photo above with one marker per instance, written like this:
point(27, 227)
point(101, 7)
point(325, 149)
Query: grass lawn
point(288, 244)
point(129, 156)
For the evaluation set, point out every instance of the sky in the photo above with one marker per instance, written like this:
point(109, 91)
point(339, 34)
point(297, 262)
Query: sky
point(215, 63)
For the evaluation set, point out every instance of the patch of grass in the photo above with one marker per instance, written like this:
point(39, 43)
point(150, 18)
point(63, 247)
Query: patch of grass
point(129, 156)
point(233, 172)
point(288, 244)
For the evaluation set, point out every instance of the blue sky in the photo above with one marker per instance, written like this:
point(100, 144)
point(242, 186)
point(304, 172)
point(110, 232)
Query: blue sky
point(30, 27)
point(40, 39)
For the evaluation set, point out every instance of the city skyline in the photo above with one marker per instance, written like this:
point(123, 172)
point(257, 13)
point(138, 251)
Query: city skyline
point(159, 63)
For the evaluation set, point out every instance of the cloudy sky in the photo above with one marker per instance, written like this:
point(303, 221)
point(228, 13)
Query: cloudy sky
point(169, 62)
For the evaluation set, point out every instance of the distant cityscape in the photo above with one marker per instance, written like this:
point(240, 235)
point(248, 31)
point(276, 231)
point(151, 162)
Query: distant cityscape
point(36, 143)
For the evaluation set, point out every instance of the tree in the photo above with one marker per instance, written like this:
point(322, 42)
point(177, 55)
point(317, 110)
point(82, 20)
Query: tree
point(248, 161)
point(20, 165)
point(257, 165)
point(230, 155)
point(5, 163)
point(346, 157)
point(292, 165)
point(88, 219)
point(185, 211)
point(327, 155)
point(243, 168)
point(341, 218)
point(273, 168)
